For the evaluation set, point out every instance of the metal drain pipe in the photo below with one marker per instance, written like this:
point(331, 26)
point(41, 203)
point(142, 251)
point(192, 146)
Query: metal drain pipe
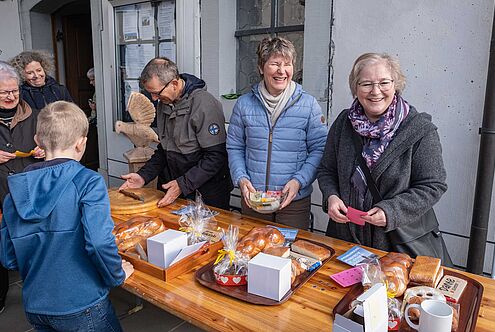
point(486, 167)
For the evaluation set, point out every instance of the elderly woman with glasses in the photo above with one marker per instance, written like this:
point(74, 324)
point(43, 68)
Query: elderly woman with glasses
point(276, 137)
point(400, 147)
point(39, 88)
point(17, 129)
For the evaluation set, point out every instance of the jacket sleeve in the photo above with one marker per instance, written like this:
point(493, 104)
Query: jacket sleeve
point(427, 184)
point(236, 145)
point(213, 160)
point(208, 122)
point(98, 225)
point(7, 253)
point(66, 94)
point(328, 179)
point(316, 134)
point(153, 167)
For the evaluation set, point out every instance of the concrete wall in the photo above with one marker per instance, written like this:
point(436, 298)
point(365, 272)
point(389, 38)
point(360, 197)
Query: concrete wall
point(10, 38)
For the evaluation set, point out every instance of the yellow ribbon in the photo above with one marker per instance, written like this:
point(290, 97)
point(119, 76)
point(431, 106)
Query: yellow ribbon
point(222, 253)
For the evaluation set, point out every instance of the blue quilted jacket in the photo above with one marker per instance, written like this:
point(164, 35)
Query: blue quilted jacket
point(272, 154)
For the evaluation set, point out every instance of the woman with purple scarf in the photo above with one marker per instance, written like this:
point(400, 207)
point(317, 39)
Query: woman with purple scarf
point(400, 147)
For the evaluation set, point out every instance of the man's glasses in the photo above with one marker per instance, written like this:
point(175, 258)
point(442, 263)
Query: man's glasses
point(367, 86)
point(157, 94)
point(5, 93)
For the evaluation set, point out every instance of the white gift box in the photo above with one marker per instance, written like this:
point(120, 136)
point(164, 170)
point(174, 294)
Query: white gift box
point(165, 246)
point(269, 276)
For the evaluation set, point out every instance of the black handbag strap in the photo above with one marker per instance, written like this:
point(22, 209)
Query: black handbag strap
point(362, 164)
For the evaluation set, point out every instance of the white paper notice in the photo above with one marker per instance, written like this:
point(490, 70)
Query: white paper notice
point(189, 250)
point(146, 22)
point(166, 20)
point(130, 26)
point(136, 57)
point(167, 49)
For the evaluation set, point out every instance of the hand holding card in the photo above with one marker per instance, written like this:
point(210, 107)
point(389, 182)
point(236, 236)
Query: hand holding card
point(354, 216)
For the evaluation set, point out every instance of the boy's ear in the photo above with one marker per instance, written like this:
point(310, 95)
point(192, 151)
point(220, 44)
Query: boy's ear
point(36, 140)
point(81, 144)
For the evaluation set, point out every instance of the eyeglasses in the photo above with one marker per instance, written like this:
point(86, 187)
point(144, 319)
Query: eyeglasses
point(157, 94)
point(5, 93)
point(367, 86)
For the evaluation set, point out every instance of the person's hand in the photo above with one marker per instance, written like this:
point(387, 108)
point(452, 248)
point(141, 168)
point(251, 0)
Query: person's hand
point(376, 217)
point(133, 180)
point(6, 156)
point(128, 268)
point(173, 191)
point(246, 187)
point(290, 189)
point(92, 105)
point(337, 210)
point(39, 153)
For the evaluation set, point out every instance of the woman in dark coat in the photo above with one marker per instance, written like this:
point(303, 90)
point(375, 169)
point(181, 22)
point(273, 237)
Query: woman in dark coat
point(38, 88)
point(400, 146)
point(17, 129)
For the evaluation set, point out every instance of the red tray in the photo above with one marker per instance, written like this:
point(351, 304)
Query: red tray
point(206, 277)
point(469, 302)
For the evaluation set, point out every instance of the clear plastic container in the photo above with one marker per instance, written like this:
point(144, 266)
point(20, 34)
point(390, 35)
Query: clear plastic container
point(266, 201)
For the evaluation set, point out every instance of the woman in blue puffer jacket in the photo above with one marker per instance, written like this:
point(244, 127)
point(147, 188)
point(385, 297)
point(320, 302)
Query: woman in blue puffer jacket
point(276, 137)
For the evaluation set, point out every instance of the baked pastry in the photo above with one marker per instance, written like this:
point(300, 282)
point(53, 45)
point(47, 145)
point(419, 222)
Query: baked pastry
point(137, 230)
point(258, 239)
point(396, 267)
point(425, 271)
point(420, 293)
point(277, 251)
point(296, 269)
point(310, 249)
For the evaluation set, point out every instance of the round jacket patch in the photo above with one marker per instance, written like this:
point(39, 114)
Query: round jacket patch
point(213, 129)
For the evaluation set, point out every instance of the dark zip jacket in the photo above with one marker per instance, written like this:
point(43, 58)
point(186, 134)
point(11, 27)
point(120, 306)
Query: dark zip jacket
point(39, 97)
point(192, 144)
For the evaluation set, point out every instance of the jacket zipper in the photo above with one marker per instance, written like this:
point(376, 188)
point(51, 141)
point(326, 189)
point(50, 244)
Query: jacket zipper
point(270, 135)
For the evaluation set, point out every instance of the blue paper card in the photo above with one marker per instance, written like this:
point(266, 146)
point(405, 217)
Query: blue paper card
point(356, 255)
point(288, 233)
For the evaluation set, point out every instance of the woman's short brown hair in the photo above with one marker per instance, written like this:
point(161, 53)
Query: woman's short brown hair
point(371, 58)
point(60, 125)
point(277, 45)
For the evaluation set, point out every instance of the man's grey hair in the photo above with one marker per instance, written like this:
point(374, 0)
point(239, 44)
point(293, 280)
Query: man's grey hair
point(8, 72)
point(163, 68)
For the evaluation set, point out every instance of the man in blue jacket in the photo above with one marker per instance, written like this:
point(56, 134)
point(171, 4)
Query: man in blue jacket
point(57, 231)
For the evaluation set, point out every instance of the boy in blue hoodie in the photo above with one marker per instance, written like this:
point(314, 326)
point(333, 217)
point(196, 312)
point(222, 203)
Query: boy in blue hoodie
point(57, 231)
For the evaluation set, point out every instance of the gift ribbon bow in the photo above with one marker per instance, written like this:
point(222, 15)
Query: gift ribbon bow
point(222, 253)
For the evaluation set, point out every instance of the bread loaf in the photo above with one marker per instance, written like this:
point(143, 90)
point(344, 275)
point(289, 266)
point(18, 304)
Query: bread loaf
point(310, 249)
point(425, 271)
point(396, 267)
point(258, 239)
point(137, 230)
point(277, 251)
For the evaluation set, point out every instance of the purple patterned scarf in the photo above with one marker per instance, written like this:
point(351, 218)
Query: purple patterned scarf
point(379, 134)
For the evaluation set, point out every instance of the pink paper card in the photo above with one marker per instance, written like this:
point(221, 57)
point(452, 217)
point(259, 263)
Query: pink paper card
point(354, 215)
point(348, 277)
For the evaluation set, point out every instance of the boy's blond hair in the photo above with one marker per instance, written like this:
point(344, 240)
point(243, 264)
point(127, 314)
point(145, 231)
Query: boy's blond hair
point(60, 125)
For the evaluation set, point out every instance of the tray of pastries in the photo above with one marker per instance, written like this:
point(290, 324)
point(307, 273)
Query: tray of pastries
point(305, 256)
point(413, 281)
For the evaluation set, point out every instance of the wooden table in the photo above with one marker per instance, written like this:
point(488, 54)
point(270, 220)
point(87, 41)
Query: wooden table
point(309, 309)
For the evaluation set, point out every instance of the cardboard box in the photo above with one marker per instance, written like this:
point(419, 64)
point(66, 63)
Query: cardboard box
point(165, 246)
point(269, 276)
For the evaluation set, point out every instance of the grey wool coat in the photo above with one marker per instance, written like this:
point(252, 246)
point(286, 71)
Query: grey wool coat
point(410, 176)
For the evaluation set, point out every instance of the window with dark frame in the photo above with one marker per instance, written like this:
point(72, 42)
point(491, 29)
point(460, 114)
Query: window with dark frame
point(257, 19)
